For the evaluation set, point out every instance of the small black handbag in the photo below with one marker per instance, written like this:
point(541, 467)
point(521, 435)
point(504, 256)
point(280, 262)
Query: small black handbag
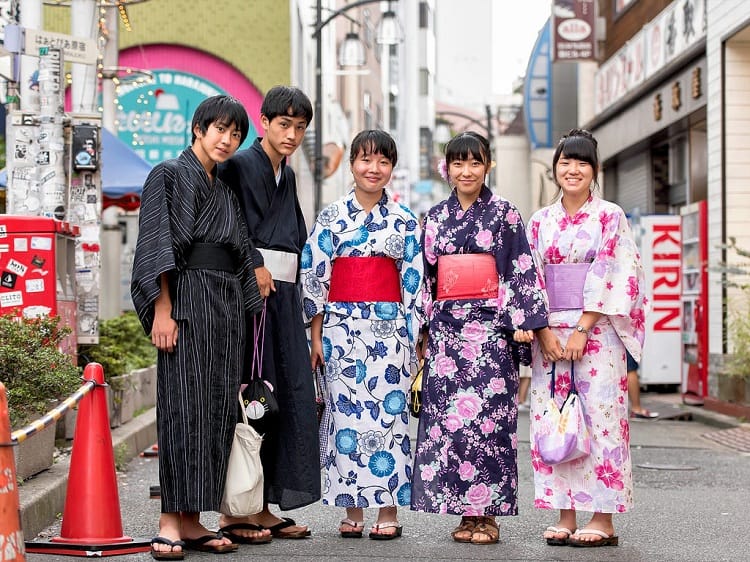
point(258, 399)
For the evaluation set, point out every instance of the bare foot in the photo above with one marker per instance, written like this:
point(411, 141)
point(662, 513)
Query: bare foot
point(169, 528)
point(253, 534)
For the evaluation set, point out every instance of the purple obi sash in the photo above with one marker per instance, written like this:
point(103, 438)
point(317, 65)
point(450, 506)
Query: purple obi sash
point(565, 283)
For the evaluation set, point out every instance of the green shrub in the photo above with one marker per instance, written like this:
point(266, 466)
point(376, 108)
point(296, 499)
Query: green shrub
point(122, 346)
point(33, 369)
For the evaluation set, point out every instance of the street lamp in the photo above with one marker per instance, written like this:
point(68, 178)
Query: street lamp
point(351, 52)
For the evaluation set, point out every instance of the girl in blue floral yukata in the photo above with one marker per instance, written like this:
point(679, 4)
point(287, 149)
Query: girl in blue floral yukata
point(481, 288)
point(362, 275)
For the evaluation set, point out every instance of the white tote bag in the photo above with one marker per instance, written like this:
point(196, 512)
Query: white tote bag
point(243, 491)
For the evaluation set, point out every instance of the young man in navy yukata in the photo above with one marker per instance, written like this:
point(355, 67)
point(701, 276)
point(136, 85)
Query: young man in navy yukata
point(267, 190)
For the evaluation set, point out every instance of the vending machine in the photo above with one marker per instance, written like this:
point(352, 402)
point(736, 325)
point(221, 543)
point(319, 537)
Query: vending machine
point(661, 250)
point(694, 303)
point(38, 271)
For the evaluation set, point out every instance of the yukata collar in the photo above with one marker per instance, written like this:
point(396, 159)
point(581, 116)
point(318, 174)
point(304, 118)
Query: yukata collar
point(384, 199)
point(584, 207)
point(485, 195)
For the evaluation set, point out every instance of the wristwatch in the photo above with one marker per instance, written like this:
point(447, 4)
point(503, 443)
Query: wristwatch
point(581, 329)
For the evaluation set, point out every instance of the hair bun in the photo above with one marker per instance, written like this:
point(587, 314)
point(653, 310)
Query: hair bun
point(582, 133)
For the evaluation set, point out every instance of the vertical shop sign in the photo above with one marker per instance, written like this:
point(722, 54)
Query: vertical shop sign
point(573, 25)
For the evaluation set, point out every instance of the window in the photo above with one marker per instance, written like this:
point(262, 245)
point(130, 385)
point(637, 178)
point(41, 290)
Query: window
point(424, 82)
point(425, 16)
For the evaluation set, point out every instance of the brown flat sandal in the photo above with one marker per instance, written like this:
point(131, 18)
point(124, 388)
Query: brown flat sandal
point(486, 531)
point(463, 532)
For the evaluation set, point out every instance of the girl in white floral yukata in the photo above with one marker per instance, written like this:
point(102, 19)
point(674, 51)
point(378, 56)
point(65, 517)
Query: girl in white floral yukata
point(362, 275)
point(601, 318)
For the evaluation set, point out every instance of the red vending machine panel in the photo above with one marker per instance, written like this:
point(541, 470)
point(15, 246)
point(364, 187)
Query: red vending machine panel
point(694, 303)
point(37, 270)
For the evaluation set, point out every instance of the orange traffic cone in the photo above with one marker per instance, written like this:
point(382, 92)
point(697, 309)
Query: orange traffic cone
point(91, 522)
point(11, 536)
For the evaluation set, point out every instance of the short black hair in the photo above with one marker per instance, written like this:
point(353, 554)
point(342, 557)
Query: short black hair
point(286, 100)
point(374, 141)
point(578, 144)
point(468, 144)
point(222, 109)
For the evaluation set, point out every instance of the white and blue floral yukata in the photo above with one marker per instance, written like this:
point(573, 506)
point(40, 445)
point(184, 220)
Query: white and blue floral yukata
point(369, 352)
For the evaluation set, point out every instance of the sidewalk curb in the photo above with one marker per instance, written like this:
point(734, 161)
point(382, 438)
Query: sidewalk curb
point(42, 498)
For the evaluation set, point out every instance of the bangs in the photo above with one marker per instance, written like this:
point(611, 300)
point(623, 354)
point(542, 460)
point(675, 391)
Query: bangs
point(374, 142)
point(579, 148)
point(465, 147)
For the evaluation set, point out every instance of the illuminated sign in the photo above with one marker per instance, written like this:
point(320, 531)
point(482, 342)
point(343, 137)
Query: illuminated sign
point(154, 118)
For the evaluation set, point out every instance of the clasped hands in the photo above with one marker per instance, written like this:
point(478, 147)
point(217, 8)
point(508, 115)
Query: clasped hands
point(551, 347)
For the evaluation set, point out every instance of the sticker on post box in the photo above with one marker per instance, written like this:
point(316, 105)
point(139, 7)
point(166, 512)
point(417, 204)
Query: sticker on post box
point(21, 245)
point(41, 242)
point(35, 285)
point(14, 298)
point(8, 280)
point(16, 267)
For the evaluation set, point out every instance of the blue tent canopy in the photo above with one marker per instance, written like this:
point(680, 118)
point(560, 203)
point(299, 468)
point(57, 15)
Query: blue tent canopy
point(123, 171)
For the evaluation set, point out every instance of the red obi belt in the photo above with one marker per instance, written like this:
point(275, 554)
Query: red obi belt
point(467, 276)
point(364, 279)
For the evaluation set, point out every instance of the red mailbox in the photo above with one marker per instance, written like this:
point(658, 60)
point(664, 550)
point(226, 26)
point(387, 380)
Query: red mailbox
point(37, 270)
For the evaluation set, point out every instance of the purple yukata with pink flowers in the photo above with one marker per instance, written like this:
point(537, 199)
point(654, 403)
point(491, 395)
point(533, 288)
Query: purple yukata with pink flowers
point(466, 451)
point(597, 234)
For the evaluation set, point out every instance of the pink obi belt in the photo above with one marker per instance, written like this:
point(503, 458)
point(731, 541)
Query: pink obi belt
point(467, 276)
point(364, 279)
point(565, 283)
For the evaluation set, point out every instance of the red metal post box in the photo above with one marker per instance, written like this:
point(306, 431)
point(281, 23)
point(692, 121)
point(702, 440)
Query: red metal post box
point(37, 270)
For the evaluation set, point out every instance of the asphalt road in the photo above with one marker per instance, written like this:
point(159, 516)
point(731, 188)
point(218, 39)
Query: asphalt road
point(692, 496)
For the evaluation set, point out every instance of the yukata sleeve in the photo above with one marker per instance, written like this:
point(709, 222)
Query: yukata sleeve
point(429, 264)
point(252, 300)
point(154, 250)
point(315, 270)
point(412, 275)
point(229, 175)
point(615, 285)
point(521, 300)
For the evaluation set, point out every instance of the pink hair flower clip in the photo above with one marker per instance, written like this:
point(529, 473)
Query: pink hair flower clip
point(442, 169)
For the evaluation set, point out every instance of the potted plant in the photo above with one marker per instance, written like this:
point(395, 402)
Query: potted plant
point(36, 374)
point(734, 378)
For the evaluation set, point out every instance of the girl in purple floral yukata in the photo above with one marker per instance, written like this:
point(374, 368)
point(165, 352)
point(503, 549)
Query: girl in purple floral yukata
point(583, 232)
point(480, 286)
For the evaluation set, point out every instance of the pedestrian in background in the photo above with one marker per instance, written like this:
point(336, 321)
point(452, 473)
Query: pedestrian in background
point(361, 277)
point(193, 282)
point(267, 189)
point(637, 410)
point(595, 316)
point(480, 286)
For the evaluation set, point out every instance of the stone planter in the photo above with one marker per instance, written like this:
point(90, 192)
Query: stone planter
point(35, 453)
point(734, 389)
point(121, 397)
point(146, 381)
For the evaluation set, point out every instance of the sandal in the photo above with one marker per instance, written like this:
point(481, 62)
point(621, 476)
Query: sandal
point(604, 540)
point(278, 532)
point(167, 554)
point(556, 541)
point(488, 527)
point(376, 533)
point(463, 532)
point(357, 527)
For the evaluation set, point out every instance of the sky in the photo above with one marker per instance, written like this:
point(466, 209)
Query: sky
point(482, 46)
point(516, 26)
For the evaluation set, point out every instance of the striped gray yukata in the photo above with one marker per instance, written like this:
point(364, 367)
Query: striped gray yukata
point(197, 384)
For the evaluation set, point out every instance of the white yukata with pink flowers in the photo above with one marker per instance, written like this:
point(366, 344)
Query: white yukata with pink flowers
point(598, 234)
point(465, 462)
